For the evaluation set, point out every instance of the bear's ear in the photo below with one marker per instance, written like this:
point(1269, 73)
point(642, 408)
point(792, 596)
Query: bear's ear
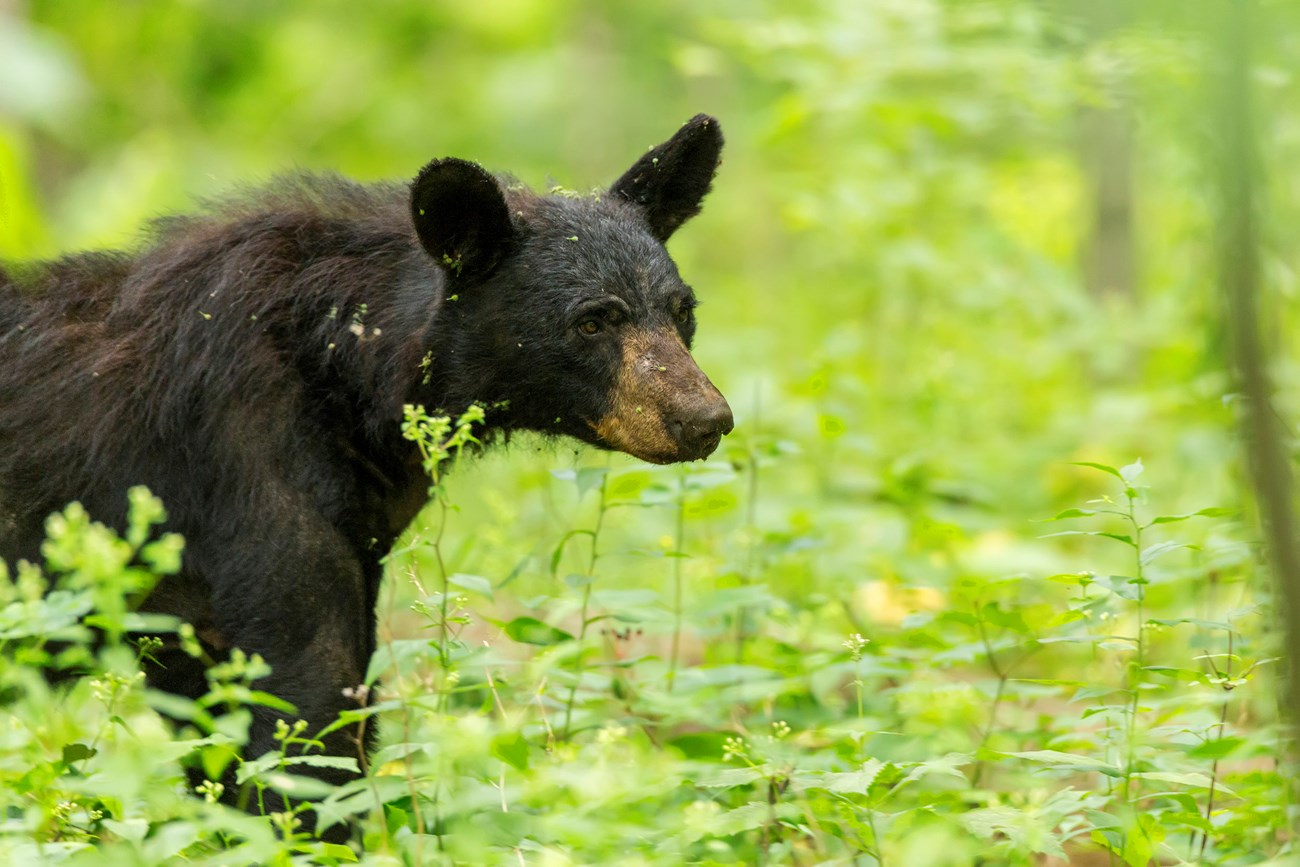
point(461, 217)
point(669, 182)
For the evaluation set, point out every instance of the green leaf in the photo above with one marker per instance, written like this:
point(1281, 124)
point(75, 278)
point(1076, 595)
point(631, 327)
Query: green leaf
point(473, 583)
point(1195, 621)
point(1059, 760)
point(1124, 587)
point(992, 613)
point(853, 782)
point(1073, 578)
point(132, 829)
point(701, 745)
point(1196, 780)
point(1103, 467)
point(1212, 512)
point(589, 478)
point(1073, 513)
point(1184, 675)
point(558, 553)
point(266, 699)
point(343, 763)
point(729, 778)
point(296, 786)
point(1141, 839)
point(1215, 749)
point(77, 752)
point(338, 852)
point(511, 748)
point(1118, 537)
point(1131, 472)
point(1151, 552)
point(530, 630)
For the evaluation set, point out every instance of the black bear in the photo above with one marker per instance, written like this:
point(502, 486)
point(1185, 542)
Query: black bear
point(249, 364)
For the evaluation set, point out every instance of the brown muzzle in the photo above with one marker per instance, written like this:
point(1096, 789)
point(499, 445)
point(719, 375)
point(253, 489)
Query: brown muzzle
point(665, 409)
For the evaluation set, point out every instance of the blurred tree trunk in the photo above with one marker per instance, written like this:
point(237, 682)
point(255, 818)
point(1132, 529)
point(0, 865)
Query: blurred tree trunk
point(1106, 156)
point(1263, 434)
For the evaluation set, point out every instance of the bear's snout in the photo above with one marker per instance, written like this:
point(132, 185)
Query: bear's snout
point(700, 426)
point(664, 409)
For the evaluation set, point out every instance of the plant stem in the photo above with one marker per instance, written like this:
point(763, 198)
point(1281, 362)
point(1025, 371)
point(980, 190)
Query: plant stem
point(1135, 670)
point(679, 543)
point(1002, 674)
point(586, 603)
point(1223, 724)
point(751, 529)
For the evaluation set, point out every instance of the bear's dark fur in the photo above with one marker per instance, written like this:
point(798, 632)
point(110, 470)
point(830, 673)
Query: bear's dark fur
point(249, 365)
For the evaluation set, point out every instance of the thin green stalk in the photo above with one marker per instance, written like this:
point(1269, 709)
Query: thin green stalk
point(586, 602)
point(1214, 766)
point(679, 544)
point(438, 439)
point(751, 528)
point(1139, 662)
point(1135, 670)
point(1001, 675)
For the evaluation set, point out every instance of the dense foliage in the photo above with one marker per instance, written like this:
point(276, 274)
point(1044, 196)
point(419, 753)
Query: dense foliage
point(925, 606)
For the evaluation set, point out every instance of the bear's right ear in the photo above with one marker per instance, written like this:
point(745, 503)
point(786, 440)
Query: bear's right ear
point(461, 218)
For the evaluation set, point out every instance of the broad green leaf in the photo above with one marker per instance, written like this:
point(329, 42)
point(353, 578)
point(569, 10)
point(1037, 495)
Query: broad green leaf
point(511, 748)
point(856, 782)
point(1216, 749)
point(295, 785)
point(1023, 828)
point(338, 852)
point(1007, 619)
point(728, 778)
point(76, 753)
point(1131, 472)
point(530, 630)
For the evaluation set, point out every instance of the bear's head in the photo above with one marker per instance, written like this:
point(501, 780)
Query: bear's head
point(564, 313)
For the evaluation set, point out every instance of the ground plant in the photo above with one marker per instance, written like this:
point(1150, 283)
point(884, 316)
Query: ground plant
point(977, 579)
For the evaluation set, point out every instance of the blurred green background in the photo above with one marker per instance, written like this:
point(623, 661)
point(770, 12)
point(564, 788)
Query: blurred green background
point(895, 261)
point(953, 247)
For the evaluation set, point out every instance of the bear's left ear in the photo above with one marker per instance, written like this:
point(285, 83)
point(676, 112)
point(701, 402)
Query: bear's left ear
point(461, 217)
point(670, 181)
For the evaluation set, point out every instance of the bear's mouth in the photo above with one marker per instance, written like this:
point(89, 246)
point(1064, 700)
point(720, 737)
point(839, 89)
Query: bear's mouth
point(647, 442)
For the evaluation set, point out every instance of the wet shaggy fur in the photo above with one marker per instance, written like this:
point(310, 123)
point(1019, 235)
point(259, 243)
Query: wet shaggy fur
point(250, 362)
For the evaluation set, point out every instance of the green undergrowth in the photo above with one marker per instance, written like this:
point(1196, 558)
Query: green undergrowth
point(667, 677)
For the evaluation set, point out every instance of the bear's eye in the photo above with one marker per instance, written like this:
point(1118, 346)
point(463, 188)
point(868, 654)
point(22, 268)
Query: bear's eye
point(589, 326)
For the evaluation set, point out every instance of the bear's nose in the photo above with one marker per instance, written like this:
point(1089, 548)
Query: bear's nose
point(698, 432)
